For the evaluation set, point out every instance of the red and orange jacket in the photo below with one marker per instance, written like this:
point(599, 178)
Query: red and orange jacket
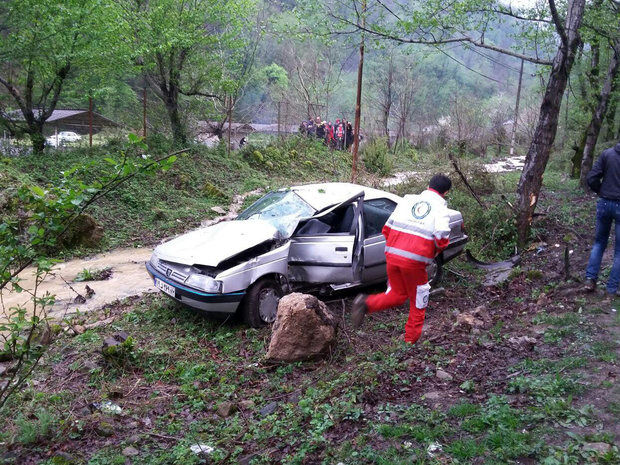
point(418, 229)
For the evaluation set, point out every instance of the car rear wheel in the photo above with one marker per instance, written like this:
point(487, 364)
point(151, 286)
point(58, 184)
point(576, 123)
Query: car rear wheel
point(435, 271)
point(260, 305)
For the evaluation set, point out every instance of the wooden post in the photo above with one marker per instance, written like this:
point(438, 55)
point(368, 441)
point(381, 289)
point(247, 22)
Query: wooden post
point(229, 122)
point(516, 118)
point(358, 101)
point(279, 104)
point(56, 134)
point(144, 112)
point(90, 122)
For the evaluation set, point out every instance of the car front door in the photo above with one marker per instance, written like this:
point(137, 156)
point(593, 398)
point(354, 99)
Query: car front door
point(376, 214)
point(328, 247)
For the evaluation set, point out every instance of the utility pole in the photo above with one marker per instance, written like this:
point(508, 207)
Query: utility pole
point(144, 112)
point(229, 121)
point(358, 101)
point(516, 118)
point(279, 104)
point(90, 122)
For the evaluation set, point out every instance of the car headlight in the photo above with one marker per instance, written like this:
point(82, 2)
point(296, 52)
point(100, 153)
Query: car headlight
point(206, 283)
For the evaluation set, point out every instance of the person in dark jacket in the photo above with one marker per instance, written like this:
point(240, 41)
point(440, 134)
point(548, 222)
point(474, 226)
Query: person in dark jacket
point(604, 179)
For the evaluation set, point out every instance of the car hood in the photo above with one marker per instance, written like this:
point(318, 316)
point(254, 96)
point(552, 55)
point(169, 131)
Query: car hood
point(210, 246)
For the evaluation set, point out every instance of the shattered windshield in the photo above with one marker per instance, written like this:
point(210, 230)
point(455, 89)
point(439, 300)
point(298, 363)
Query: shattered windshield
point(281, 209)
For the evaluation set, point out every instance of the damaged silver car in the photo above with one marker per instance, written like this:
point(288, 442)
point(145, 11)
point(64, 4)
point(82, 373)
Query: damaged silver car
point(312, 238)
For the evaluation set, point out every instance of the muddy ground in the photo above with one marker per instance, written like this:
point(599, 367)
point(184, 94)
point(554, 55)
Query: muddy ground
point(521, 372)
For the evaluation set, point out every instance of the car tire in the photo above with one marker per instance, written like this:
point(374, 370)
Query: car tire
point(260, 304)
point(435, 271)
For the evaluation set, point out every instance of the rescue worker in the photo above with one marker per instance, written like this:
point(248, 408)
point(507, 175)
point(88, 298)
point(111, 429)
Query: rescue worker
point(416, 232)
point(320, 129)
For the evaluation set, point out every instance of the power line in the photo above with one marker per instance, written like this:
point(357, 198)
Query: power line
point(471, 69)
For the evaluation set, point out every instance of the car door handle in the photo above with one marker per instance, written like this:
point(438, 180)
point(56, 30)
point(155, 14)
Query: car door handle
point(342, 249)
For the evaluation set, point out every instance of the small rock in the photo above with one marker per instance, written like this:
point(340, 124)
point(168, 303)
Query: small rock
point(130, 451)
point(121, 336)
point(78, 329)
point(543, 300)
point(79, 299)
point(218, 210)
point(268, 409)
point(134, 439)
point(443, 375)
point(63, 458)
point(109, 342)
point(225, 409)
point(600, 447)
point(89, 365)
point(89, 292)
point(433, 449)
point(468, 321)
point(527, 342)
point(104, 429)
point(433, 395)
point(202, 449)
point(247, 459)
point(246, 404)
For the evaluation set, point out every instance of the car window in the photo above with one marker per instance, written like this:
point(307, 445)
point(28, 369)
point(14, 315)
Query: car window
point(282, 209)
point(376, 214)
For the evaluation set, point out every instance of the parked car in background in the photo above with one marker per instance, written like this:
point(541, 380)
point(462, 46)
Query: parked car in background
point(62, 138)
point(312, 238)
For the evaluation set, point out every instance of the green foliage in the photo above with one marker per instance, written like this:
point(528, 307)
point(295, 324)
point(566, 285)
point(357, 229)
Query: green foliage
point(377, 158)
point(36, 429)
point(120, 354)
point(93, 274)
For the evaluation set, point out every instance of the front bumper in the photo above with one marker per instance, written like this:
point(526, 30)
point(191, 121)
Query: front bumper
point(216, 303)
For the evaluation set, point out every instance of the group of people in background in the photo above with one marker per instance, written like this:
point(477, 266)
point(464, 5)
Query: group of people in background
point(337, 135)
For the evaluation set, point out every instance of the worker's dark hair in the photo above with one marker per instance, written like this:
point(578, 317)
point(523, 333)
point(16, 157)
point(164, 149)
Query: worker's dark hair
point(440, 183)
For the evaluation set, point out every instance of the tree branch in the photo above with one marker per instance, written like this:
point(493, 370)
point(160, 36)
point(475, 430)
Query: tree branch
point(558, 22)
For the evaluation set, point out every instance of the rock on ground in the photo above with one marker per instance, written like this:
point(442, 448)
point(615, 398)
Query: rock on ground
point(304, 329)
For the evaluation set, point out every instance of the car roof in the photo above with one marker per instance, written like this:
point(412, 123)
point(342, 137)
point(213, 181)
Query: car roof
point(323, 195)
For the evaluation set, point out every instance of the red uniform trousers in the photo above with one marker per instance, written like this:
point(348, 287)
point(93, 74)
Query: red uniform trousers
point(403, 282)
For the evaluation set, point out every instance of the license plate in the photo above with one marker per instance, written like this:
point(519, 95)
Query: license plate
point(165, 287)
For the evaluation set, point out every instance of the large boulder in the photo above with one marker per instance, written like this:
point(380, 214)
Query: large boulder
point(84, 230)
point(304, 329)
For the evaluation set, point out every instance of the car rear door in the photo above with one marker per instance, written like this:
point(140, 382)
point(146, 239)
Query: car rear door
point(328, 247)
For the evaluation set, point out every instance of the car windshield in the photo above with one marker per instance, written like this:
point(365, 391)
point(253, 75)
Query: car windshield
point(282, 209)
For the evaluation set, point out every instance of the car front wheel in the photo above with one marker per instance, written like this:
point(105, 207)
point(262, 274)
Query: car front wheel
point(260, 305)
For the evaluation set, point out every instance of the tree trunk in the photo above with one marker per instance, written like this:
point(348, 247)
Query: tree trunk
point(597, 117)
point(611, 134)
point(35, 132)
point(537, 156)
point(575, 172)
point(176, 125)
point(593, 76)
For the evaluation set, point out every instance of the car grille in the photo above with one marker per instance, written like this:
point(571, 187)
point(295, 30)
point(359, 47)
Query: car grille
point(174, 271)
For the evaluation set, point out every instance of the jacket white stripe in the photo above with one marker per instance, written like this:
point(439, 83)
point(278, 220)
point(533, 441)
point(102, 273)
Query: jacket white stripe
point(409, 255)
point(407, 228)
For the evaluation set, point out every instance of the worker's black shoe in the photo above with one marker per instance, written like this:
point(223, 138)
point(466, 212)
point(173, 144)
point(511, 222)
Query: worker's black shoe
point(590, 285)
point(358, 312)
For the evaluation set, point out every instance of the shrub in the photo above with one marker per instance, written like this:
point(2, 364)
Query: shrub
point(377, 158)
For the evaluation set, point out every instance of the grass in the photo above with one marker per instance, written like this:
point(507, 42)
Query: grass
point(361, 406)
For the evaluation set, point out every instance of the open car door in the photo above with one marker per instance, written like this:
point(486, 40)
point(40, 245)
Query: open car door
point(328, 247)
